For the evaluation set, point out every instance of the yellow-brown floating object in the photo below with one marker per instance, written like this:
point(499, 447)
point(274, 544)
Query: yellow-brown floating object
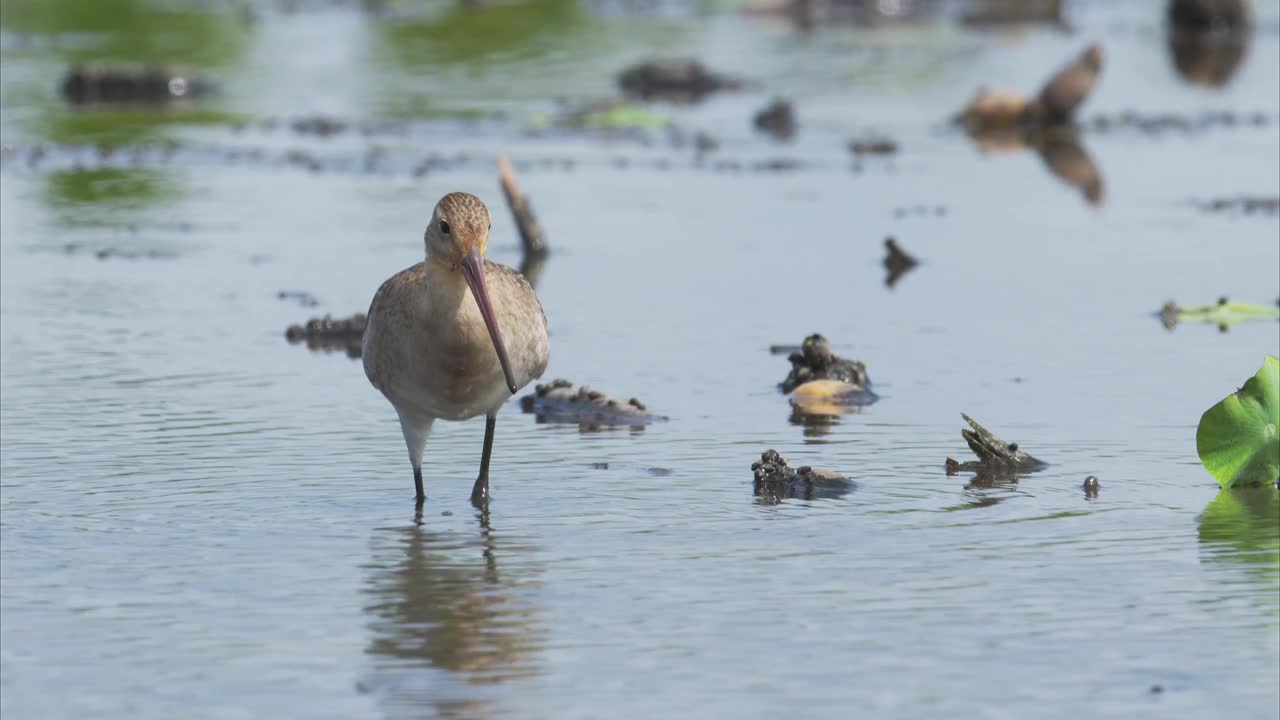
point(826, 397)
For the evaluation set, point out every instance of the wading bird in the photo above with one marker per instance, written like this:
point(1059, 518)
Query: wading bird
point(434, 353)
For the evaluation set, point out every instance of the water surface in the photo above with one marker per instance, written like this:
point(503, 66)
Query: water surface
point(200, 520)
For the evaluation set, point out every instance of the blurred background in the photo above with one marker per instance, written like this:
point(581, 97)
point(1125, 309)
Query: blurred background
point(200, 518)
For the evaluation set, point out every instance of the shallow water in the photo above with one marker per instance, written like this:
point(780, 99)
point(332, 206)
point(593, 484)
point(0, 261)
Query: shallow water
point(200, 520)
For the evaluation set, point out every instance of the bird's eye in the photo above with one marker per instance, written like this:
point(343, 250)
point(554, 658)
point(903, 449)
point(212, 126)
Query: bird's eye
point(444, 227)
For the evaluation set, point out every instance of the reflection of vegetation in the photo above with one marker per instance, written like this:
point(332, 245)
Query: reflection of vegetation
point(538, 49)
point(442, 601)
point(1243, 526)
point(116, 188)
point(129, 30)
point(124, 126)
point(467, 35)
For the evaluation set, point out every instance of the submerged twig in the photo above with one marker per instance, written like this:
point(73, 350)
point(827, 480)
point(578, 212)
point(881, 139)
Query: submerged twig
point(535, 244)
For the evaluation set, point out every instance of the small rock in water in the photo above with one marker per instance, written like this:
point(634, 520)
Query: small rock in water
point(1091, 486)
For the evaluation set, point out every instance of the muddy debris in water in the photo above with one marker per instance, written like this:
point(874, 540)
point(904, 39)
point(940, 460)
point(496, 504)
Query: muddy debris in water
point(1159, 123)
point(873, 146)
point(1091, 486)
point(777, 119)
point(677, 80)
point(302, 297)
point(88, 85)
point(995, 456)
point(1248, 205)
point(319, 125)
point(562, 402)
point(1056, 103)
point(112, 253)
point(328, 334)
point(774, 481)
point(906, 211)
point(814, 360)
point(897, 262)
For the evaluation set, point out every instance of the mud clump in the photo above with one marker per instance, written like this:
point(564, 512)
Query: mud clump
point(674, 80)
point(84, 85)
point(560, 401)
point(774, 480)
point(319, 125)
point(897, 262)
point(815, 361)
point(777, 119)
point(328, 334)
point(995, 456)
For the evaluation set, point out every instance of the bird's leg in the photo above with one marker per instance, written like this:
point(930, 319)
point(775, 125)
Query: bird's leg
point(480, 491)
point(415, 431)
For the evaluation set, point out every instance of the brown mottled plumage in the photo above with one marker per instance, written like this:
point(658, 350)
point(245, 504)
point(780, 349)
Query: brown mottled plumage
point(430, 349)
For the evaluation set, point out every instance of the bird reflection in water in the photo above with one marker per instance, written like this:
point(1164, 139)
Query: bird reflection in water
point(450, 615)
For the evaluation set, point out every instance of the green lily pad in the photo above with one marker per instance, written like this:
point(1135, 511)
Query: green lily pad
point(1239, 438)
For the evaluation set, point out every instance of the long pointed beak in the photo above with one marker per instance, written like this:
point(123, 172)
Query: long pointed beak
point(473, 270)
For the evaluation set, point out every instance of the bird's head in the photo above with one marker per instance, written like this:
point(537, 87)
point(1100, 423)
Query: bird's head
point(457, 237)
